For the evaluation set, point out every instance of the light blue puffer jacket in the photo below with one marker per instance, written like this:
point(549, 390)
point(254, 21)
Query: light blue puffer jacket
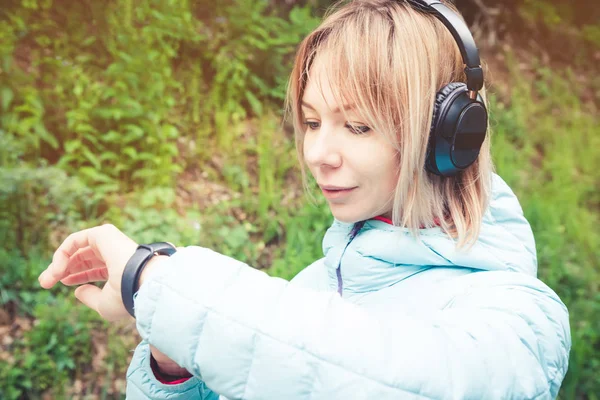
point(416, 320)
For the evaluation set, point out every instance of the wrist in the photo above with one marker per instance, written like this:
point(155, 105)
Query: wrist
point(168, 370)
point(135, 266)
point(151, 266)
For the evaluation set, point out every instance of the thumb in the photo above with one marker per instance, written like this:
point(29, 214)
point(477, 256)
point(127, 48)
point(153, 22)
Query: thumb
point(89, 295)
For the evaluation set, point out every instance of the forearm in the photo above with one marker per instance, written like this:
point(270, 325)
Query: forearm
point(167, 368)
point(231, 318)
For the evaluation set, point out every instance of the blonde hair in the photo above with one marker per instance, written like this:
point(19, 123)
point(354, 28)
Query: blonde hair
point(389, 60)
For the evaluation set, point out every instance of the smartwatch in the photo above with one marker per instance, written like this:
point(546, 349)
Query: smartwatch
point(130, 281)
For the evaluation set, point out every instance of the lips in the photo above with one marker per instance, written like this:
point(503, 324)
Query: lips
point(336, 192)
point(334, 188)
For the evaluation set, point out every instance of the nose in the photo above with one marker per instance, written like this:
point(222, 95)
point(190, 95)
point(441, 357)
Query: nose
point(322, 148)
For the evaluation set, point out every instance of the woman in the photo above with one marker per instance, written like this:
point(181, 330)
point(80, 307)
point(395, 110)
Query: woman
point(428, 286)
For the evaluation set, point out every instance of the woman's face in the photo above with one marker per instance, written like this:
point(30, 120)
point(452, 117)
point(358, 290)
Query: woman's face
point(355, 167)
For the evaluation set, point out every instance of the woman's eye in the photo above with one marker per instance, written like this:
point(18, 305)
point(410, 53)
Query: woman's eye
point(311, 125)
point(358, 129)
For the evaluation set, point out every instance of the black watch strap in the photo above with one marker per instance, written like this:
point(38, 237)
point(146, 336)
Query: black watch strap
point(134, 267)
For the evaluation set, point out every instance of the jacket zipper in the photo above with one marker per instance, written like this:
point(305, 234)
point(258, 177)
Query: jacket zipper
point(338, 272)
point(353, 233)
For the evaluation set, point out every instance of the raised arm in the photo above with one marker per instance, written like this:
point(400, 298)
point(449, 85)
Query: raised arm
point(251, 336)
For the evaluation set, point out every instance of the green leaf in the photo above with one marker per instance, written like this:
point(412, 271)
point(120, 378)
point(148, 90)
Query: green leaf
point(88, 41)
point(84, 128)
point(40, 129)
point(92, 158)
point(170, 132)
point(108, 156)
point(134, 132)
point(95, 175)
point(255, 104)
point(111, 137)
point(72, 145)
point(7, 96)
point(131, 152)
point(170, 148)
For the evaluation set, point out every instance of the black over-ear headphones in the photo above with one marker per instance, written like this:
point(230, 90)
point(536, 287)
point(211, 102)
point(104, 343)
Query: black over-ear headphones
point(459, 120)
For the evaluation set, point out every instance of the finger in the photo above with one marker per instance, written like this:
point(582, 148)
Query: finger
point(57, 269)
point(84, 259)
point(92, 275)
point(97, 238)
point(89, 295)
point(106, 302)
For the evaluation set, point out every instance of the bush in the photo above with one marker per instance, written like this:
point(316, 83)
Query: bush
point(34, 202)
point(55, 347)
point(109, 98)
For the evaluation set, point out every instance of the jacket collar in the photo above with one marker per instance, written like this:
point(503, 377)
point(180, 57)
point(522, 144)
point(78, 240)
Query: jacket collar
point(381, 254)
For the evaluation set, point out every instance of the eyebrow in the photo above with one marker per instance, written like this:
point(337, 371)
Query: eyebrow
point(335, 110)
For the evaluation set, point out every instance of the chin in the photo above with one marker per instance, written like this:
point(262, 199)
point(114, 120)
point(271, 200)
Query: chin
point(347, 217)
point(348, 220)
point(347, 213)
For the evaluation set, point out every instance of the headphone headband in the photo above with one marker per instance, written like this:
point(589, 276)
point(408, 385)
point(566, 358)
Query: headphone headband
point(461, 34)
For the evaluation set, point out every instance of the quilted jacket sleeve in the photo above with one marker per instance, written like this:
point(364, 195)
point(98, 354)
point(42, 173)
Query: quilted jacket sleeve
point(251, 336)
point(141, 383)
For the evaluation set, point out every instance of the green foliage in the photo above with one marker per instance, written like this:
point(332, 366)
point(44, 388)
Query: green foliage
point(11, 150)
point(248, 62)
point(547, 128)
point(276, 158)
point(568, 28)
point(591, 33)
point(109, 94)
point(56, 346)
point(37, 201)
point(304, 231)
point(150, 216)
point(18, 279)
point(106, 89)
point(548, 12)
point(227, 235)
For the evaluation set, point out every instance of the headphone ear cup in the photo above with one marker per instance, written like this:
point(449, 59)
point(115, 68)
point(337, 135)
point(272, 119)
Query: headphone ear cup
point(441, 98)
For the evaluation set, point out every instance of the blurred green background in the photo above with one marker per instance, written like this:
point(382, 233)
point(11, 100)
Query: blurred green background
point(165, 119)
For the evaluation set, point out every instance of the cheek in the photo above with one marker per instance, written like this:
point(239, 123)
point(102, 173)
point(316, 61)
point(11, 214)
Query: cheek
point(308, 162)
point(388, 174)
point(305, 146)
point(392, 182)
point(375, 165)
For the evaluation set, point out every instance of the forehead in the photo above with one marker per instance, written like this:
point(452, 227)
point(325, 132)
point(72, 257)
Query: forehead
point(321, 91)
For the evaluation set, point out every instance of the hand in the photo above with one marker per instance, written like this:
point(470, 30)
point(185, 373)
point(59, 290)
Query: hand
point(93, 255)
